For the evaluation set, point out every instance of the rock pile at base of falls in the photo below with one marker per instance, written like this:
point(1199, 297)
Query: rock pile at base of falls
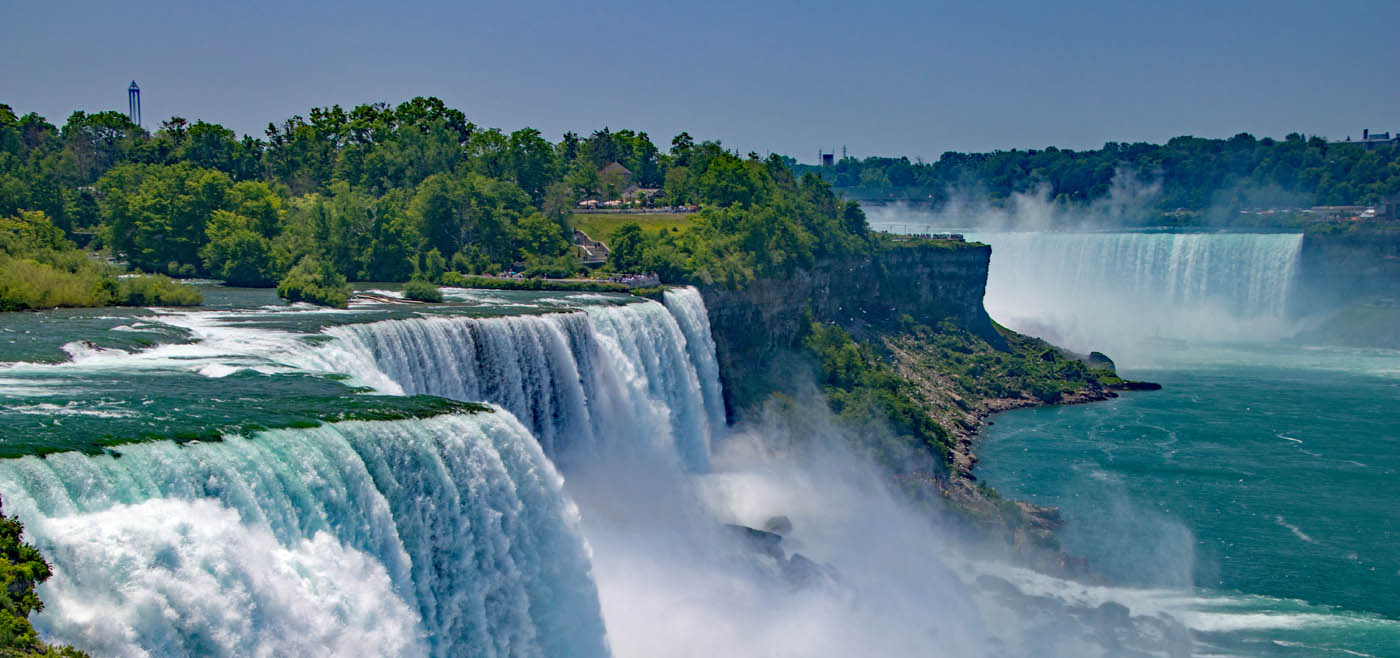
point(796, 570)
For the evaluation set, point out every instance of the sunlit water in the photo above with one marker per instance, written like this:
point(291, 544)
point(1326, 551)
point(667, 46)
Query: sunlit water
point(1267, 475)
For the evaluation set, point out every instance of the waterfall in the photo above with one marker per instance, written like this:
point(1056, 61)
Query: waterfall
point(609, 378)
point(688, 307)
point(1091, 290)
point(449, 536)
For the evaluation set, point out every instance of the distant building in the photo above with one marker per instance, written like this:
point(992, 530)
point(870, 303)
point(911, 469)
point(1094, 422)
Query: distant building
point(616, 174)
point(828, 159)
point(1370, 140)
point(1387, 210)
point(1390, 208)
point(1337, 213)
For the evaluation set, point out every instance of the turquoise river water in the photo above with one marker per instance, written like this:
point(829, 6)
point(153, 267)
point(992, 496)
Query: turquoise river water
point(1259, 487)
point(1266, 477)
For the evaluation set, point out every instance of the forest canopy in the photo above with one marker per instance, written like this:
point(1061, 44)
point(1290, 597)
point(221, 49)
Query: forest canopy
point(413, 191)
point(1193, 173)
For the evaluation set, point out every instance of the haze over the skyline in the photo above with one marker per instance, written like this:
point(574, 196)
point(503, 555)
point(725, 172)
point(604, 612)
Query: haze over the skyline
point(883, 78)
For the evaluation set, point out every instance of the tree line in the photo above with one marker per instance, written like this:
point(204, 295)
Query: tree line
point(395, 193)
point(1194, 173)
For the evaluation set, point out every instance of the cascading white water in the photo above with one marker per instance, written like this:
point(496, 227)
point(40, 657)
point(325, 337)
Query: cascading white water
point(628, 377)
point(1104, 290)
point(688, 307)
point(449, 536)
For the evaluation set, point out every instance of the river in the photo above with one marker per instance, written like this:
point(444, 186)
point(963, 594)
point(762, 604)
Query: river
point(1256, 492)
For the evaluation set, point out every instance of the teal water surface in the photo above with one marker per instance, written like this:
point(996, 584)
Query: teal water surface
point(1267, 478)
point(94, 378)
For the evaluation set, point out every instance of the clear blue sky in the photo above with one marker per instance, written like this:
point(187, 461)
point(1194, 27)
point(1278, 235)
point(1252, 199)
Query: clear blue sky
point(884, 78)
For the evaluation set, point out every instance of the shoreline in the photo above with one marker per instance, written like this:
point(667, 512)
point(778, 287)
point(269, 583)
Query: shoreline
point(1028, 530)
point(1033, 537)
point(993, 406)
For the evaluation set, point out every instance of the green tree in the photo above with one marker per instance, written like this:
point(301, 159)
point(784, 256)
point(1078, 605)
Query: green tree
point(94, 143)
point(390, 252)
point(155, 215)
point(433, 266)
point(628, 248)
point(533, 164)
point(422, 291)
point(237, 252)
point(257, 201)
point(315, 281)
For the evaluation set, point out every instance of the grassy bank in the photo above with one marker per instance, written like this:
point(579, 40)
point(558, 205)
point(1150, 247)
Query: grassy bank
point(601, 226)
point(40, 268)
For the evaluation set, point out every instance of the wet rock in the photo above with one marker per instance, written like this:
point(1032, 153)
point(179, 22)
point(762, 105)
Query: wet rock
point(758, 541)
point(1112, 614)
point(778, 525)
point(1100, 360)
point(801, 572)
point(1141, 386)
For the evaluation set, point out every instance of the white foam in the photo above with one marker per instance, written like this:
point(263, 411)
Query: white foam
point(172, 577)
point(72, 409)
point(1294, 529)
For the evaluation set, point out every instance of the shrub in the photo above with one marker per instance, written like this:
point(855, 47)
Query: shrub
point(422, 291)
point(863, 389)
point(315, 281)
point(156, 290)
point(28, 284)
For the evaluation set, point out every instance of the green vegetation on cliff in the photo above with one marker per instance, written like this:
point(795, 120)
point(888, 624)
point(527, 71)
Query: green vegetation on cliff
point(862, 388)
point(930, 386)
point(21, 569)
point(1025, 368)
point(911, 397)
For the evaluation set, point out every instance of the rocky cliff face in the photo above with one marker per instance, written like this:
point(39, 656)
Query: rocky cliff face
point(1335, 269)
point(1348, 288)
point(758, 326)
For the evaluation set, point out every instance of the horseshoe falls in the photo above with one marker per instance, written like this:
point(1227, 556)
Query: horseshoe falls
point(1110, 291)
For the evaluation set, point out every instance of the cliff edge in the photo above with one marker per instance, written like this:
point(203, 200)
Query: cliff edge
point(907, 358)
